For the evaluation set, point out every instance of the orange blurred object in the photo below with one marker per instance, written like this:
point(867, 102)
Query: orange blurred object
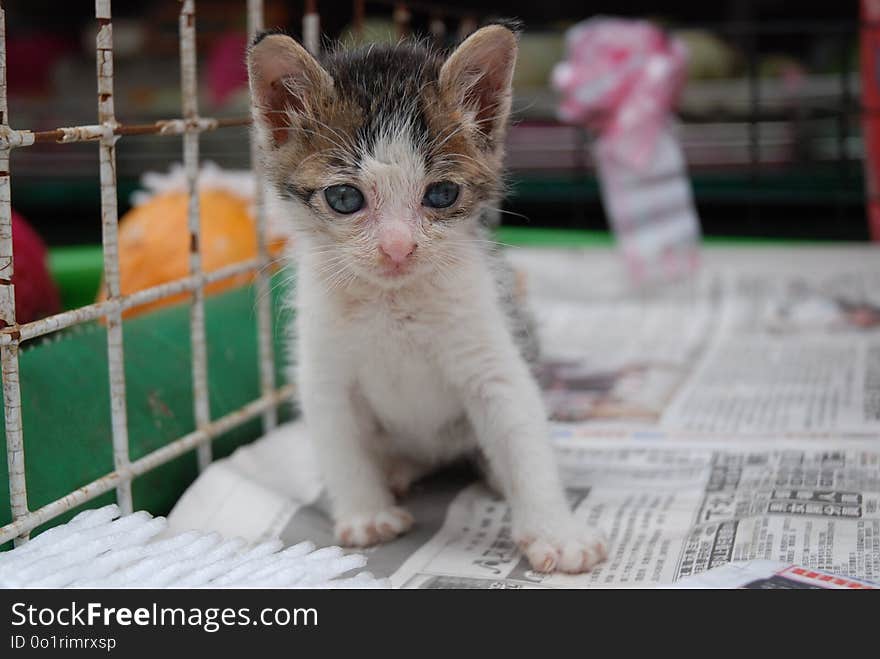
point(154, 243)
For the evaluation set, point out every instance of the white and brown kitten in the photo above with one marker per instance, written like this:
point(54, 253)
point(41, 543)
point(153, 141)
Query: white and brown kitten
point(408, 344)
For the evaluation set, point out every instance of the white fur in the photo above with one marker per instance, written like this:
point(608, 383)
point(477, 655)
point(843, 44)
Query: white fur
point(399, 376)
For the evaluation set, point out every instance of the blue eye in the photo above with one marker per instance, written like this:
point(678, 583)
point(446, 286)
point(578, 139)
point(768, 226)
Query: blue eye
point(344, 199)
point(441, 195)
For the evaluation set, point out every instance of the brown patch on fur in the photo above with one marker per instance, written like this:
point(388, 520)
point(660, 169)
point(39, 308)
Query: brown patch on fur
point(320, 142)
point(467, 111)
point(456, 154)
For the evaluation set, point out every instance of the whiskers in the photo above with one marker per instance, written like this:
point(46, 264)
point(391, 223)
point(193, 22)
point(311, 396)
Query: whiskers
point(335, 273)
point(476, 241)
point(443, 264)
point(283, 284)
point(332, 270)
point(506, 212)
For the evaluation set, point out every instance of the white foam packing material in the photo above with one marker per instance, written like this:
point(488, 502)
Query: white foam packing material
point(101, 549)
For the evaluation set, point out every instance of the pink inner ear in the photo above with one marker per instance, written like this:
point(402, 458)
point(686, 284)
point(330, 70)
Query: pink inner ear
point(486, 96)
point(276, 101)
point(482, 68)
point(274, 63)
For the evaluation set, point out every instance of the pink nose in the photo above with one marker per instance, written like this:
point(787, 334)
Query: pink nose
point(398, 248)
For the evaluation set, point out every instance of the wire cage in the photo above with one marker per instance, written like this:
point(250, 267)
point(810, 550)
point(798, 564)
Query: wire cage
point(812, 132)
point(107, 133)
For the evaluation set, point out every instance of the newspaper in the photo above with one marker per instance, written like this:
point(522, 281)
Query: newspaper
point(676, 509)
point(772, 575)
point(734, 417)
point(796, 353)
point(782, 342)
point(670, 510)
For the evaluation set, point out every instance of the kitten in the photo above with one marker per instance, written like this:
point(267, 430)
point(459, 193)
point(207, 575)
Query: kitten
point(384, 159)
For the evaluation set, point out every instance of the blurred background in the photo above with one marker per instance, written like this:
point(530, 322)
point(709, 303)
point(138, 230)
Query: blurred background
point(771, 112)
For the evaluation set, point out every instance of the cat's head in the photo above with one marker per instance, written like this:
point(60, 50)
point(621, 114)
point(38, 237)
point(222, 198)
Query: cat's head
point(386, 155)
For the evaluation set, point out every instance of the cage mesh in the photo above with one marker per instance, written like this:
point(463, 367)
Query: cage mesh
point(107, 132)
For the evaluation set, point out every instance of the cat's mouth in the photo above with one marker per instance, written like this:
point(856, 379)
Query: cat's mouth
point(395, 270)
point(392, 274)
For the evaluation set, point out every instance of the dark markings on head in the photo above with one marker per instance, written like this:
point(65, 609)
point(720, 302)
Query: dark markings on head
point(262, 34)
point(386, 83)
point(367, 91)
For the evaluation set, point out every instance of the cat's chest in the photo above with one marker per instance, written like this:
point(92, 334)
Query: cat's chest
point(398, 372)
point(396, 346)
point(396, 323)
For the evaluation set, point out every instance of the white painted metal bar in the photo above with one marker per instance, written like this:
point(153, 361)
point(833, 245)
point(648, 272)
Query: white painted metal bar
point(189, 93)
point(9, 357)
point(147, 463)
point(14, 435)
point(311, 27)
point(264, 300)
point(22, 333)
point(109, 225)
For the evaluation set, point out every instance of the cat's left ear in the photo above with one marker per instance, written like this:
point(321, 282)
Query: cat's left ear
point(479, 76)
point(286, 82)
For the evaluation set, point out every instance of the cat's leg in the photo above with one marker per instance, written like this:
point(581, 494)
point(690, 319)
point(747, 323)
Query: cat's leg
point(489, 477)
point(504, 405)
point(344, 437)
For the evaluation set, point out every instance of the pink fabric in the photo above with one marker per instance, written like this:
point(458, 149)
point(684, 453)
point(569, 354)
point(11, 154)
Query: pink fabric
point(36, 295)
point(226, 70)
point(621, 78)
point(31, 60)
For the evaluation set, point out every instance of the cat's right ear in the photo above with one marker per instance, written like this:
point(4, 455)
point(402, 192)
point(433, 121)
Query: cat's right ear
point(285, 81)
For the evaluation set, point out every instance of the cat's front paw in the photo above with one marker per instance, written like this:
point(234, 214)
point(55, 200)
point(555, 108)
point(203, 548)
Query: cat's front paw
point(369, 529)
point(575, 550)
